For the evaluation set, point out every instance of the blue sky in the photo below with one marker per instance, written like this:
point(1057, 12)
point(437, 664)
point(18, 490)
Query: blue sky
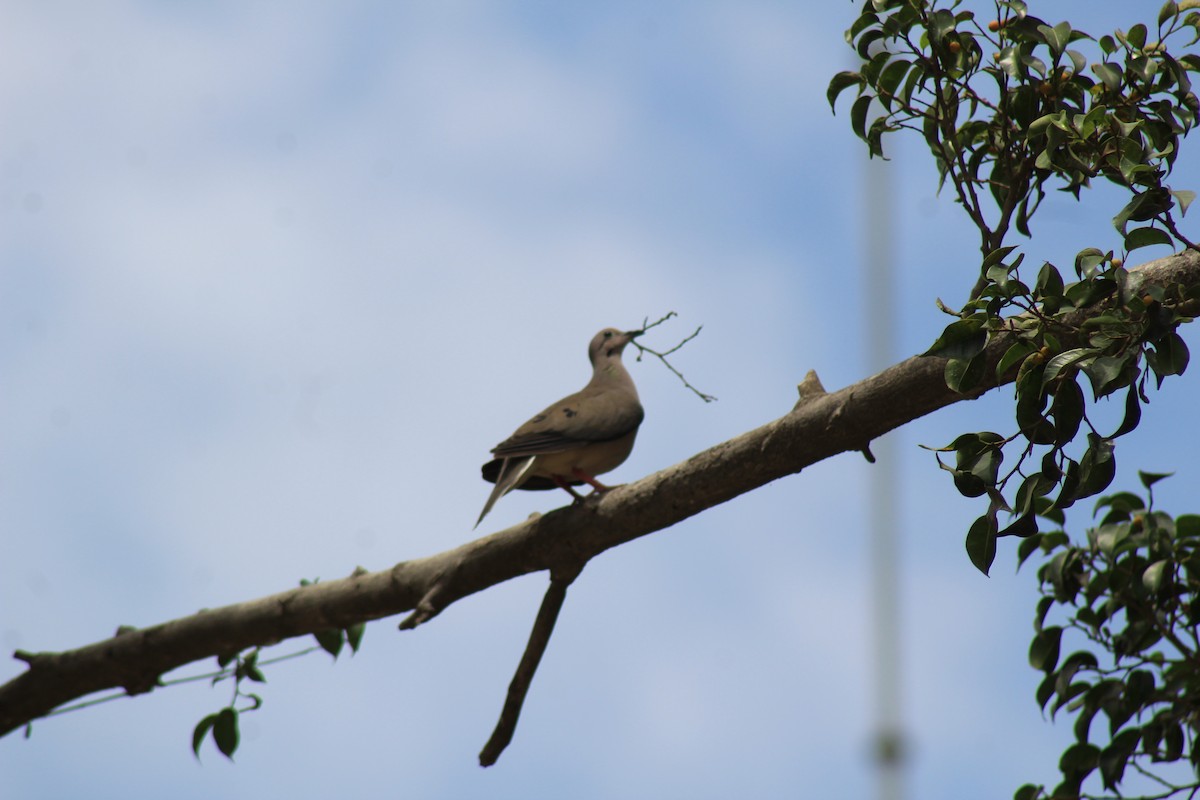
point(275, 277)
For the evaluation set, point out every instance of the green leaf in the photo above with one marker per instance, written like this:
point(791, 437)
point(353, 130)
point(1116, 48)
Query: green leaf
point(1049, 282)
point(1035, 486)
point(858, 115)
point(1017, 352)
point(963, 376)
point(1028, 792)
point(1045, 691)
point(1057, 37)
point(1184, 198)
point(1168, 11)
point(1115, 757)
point(1133, 413)
point(1145, 237)
point(1046, 509)
point(997, 256)
point(1097, 467)
point(1087, 262)
point(225, 731)
point(201, 730)
point(1107, 374)
point(1079, 759)
point(1148, 479)
point(1144, 206)
point(1022, 527)
point(890, 78)
point(1044, 650)
point(1109, 75)
point(962, 338)
point(1062, 361)
point(1124, 502)
point(1136, 36)
point(1028, 547)
point(1187, 526)
point(839, 83)
point(1109, 537)
point(1152, 578)
point(354, 635)
point(979, 455)
point(981, 543)
point(1083, 723)
point(1169, 356)
point(1067, 411)
point(1173, 740)
point(331, 640)
point(1031, 402)
point(866, 20)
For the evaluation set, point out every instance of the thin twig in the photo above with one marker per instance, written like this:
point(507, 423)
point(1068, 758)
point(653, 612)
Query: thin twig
point(218, 675)
point(662, 356)
point(539, 637)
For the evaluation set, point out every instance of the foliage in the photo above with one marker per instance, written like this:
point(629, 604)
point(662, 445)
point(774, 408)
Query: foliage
point(1051, 347)
point(1000, 130)
point(1002, 127)
point(1010, 107)
point(1130, 593)
point(224, 723)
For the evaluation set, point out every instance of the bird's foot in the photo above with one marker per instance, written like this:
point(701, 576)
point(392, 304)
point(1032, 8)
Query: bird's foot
point(564, 485)
point(597, 486)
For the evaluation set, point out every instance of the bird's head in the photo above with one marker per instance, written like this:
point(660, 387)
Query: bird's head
point(609, 343)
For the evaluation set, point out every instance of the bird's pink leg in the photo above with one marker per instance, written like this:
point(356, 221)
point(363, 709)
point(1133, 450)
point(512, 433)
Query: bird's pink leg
point(563, 484)
point(588, 479)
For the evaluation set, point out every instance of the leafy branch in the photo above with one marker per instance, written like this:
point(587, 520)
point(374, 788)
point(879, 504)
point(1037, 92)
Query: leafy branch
point(1054, 106)
point(1132, 591)
point(1000, 129)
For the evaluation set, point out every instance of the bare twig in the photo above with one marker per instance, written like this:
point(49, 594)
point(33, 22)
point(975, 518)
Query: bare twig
point(539, 637)
point(662, 356)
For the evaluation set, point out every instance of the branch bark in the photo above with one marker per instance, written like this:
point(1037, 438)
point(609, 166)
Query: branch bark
point(539, 637)
point(821, 427)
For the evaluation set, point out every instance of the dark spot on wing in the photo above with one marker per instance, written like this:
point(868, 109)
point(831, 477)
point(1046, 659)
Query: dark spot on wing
point(538, 418)
point(569, 412)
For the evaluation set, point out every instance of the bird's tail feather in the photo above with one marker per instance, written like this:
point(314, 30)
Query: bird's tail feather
point(512, 472)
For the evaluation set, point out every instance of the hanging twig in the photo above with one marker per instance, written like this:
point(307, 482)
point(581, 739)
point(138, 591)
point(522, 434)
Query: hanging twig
point(662, 356)
point(539, 637)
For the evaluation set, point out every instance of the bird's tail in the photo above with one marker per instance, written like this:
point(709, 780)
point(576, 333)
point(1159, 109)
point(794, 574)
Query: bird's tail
point(512, 472)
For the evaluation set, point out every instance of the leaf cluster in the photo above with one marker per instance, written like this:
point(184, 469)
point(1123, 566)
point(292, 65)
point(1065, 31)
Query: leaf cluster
point(224, 724)
point(1130, 595)
point(1009, 105)
point(1053, 350)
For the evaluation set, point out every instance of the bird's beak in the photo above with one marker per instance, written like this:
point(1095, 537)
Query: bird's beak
point(633, 334)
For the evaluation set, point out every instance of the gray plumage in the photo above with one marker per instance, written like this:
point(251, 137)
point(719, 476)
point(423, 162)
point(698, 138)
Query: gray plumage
point(579, 437)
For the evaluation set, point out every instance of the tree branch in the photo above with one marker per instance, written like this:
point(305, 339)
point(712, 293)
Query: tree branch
point(539, 637)
point(829, 424)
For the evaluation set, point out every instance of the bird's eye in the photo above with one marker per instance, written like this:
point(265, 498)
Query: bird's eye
point(608, 334)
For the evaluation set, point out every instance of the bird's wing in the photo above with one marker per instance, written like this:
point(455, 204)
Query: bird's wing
point(587, 417)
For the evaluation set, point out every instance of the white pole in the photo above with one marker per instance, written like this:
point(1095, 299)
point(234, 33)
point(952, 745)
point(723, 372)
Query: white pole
point(882, 490)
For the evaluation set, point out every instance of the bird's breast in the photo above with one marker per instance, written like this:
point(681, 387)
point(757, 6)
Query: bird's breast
point(593, 459)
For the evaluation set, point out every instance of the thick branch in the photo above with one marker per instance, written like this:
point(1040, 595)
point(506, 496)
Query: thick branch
point(833, 423)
